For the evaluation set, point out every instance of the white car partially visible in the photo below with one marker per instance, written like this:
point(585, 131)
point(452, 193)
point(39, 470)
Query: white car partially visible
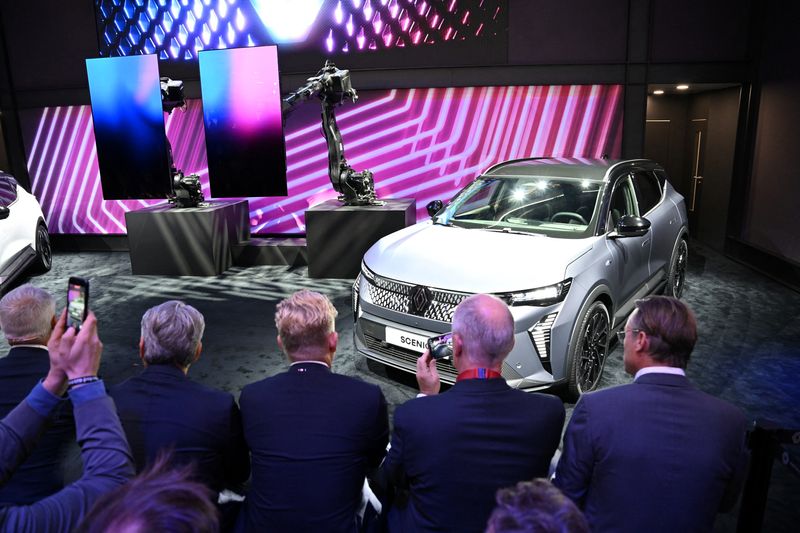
point(24, 241)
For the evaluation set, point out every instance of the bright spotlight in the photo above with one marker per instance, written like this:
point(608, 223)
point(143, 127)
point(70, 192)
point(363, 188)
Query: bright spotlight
point(288, 21)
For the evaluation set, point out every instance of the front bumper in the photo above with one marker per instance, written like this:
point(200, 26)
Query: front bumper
point(396, 339)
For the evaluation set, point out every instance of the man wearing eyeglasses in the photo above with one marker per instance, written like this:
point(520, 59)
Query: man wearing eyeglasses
point(657, 454)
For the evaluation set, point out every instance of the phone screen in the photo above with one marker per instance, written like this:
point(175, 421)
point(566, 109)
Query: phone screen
point(441, 346)
point(76, 304)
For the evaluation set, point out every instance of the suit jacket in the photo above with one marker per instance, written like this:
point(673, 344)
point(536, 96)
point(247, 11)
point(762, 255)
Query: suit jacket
point(106, 458)
point(40, 475)
point(162, 408)
point(452, 451)
point(653, 455)
point(313, 436)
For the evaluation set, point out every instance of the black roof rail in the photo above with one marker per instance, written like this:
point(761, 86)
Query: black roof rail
point(510, 161)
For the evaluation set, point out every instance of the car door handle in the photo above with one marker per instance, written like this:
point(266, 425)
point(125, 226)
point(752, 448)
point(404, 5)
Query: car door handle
point(645, 242)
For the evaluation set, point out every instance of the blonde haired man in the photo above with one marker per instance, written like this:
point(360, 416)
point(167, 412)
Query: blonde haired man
point(313, 434)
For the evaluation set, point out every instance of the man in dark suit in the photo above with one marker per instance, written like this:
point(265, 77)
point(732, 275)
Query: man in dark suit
point(162, 409)
point(27, 316)
point(450, 452)
point(656, 454)
point(313, 434)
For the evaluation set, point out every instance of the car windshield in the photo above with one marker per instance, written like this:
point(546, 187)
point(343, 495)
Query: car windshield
point(546, 205)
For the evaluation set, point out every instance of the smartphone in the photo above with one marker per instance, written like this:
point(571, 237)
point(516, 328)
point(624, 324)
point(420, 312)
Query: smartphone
point(77, 302)
point(441, 346)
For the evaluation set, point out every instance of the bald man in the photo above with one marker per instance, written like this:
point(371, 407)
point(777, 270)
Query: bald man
point(450, 452)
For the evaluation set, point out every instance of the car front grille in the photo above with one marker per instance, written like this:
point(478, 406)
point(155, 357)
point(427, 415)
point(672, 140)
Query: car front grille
point(395, 295)
point(407, 360)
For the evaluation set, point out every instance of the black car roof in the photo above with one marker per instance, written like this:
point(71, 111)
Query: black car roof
point(582, 168)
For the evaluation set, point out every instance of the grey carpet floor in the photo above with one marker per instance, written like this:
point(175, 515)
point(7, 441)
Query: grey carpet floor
point(748, 351)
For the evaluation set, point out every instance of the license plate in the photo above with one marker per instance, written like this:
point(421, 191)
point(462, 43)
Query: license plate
point(404, 339)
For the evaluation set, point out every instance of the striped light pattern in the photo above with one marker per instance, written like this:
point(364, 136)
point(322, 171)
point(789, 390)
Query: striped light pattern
point(420, 143)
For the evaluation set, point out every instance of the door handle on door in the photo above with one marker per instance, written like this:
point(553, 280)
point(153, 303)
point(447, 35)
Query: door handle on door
point(695, 181)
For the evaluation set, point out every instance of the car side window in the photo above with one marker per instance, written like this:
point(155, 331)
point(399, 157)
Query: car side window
point(623, 202)
point(648, 190)
point(8, 190)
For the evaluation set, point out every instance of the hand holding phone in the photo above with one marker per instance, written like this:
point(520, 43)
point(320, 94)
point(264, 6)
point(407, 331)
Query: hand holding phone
point(77, 302)
point(427, 375)
point(441, 346)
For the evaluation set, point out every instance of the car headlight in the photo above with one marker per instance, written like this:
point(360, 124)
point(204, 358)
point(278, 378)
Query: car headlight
point(541, 296)
point(367, 273)
point(355, 297)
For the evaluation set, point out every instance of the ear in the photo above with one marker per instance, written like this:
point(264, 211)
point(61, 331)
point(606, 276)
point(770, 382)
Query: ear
point(280, 344)
point(333, 341)
point(641, 343)
point(141, 350)
point(197, 352)
point(458, 346)
point(53, 322)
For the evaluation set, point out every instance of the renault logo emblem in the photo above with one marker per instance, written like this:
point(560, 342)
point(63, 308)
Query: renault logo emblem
point(419, 300)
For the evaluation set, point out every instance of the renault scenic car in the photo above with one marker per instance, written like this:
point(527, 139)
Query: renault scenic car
point(24, 241)
point(569, 244)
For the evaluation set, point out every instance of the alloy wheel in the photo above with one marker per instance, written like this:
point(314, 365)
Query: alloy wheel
point(594, 349)
point(679, 274)
point(43, 248)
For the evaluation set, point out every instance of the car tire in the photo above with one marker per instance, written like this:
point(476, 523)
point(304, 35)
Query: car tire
point(44, 254)
point(676, 277)
point(588, 351)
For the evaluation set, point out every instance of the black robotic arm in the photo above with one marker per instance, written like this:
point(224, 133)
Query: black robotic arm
point(332, 86)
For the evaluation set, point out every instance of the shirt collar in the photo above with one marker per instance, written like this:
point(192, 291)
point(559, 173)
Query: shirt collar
point(659, 370)
point(41, 346)
point(310, 361)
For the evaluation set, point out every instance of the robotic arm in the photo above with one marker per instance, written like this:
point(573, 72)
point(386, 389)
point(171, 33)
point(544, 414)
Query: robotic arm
point(332, 86)
point(186, 191)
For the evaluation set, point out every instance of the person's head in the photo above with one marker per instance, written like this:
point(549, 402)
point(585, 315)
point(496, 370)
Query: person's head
point(306, 322)
point(535, 507)
point(27, 315)
point(171, 334)
point(661, 331)
point(158, 499)
point(483, 332)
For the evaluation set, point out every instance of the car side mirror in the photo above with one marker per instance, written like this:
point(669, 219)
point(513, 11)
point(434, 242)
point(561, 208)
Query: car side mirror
point(630, 226)
point(4, 212)
point(434, 207)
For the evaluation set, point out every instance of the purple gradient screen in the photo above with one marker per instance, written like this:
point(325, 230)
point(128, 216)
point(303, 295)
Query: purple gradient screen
point(129, 126)
point(421, 143)
point(243, 123)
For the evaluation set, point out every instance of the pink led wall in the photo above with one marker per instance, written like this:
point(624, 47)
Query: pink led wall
point(421, 143)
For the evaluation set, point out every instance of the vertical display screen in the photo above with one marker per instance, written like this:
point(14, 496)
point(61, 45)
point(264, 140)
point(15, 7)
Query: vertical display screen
point(243, 123)
point(129, 127)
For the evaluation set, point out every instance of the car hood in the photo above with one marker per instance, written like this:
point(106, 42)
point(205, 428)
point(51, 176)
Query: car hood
point(473, 260)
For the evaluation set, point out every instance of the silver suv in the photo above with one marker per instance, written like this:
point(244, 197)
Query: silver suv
point(569, 244)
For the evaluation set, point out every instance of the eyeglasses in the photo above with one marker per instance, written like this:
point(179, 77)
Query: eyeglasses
point(621, 334)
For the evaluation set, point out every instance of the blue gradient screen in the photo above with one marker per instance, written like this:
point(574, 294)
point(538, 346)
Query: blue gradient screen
point(243, 122)
point(129, 127)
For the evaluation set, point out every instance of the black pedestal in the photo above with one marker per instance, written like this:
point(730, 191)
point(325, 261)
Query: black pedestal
point(337, 236)
point(192, 241)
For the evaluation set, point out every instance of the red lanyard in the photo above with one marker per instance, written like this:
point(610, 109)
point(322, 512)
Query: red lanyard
point(478, 373)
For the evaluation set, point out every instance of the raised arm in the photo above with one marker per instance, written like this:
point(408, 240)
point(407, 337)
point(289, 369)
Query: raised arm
point(106, 456)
